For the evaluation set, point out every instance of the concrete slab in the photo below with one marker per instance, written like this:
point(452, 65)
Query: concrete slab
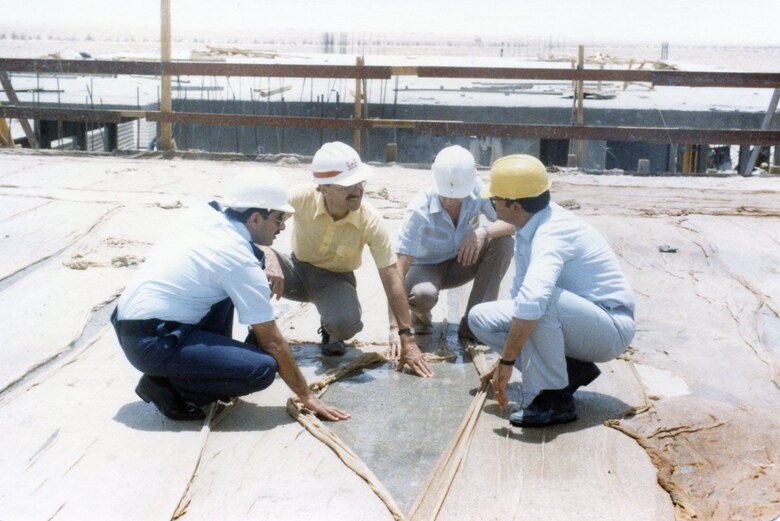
point(82, 445)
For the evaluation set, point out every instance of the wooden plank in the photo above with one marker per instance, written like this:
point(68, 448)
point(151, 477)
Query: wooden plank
point(5, 81)
point(166, 129)
point(767, 121)
point(660, 77)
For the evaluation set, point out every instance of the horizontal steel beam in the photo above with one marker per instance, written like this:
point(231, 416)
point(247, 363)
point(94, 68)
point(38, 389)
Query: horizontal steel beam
point(194, 69)
point(146, 68)
point(663, 78)
point(82, 115)
point(650, 134)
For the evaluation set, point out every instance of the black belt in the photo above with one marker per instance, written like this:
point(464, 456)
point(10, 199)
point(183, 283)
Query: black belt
point(147, 327)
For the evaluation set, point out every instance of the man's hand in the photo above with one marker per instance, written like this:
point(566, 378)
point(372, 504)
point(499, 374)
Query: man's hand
point(501, 375)
point(469, 250)
point(488, 376)
point(322, 409)
point(412, 356)
point(273, 272)
point(394, 344)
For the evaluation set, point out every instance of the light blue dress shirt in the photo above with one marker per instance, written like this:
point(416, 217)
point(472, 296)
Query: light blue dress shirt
point(558, 249)
point(428, 233)
point(202, 259)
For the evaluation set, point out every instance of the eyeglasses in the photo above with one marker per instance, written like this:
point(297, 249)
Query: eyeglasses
point(494, 199)
point(279, 218)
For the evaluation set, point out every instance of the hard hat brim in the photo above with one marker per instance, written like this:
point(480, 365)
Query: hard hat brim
point(361, 173)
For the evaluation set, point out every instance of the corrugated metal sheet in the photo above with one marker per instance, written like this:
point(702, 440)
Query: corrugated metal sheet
point(96, 140)
point(136, 134)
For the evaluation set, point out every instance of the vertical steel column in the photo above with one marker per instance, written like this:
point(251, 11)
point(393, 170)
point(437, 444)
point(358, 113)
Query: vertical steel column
point(580, 98)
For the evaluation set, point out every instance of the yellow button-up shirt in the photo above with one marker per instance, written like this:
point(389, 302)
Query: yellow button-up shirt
point(336, 245)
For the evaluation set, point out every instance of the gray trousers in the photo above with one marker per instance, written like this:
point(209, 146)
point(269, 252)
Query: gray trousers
point(333, 294)
point(424, 281)
point(572, 326)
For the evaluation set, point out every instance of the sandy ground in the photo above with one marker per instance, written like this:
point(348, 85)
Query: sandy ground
point(682, 426)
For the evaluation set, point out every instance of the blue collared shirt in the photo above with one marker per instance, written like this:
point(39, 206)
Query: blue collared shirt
point(202, 259)
point(428, 233)
point(556, 248)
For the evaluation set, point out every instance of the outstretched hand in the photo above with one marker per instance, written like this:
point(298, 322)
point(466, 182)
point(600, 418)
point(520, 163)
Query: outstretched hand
point(324, 410)
point(412, 356)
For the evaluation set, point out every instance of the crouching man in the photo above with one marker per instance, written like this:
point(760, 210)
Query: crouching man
point(174, 320)
point(571, 304)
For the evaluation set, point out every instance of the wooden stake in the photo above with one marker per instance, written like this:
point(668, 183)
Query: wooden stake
point(580, 98)
point(768, 117)
point(166, 133)
point(9, 91)
point(358, 106)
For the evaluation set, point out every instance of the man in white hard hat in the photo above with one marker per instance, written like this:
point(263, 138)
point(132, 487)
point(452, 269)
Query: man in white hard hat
point(332, 225)
point(174, 320)
point(449, 237)
point(571, 305)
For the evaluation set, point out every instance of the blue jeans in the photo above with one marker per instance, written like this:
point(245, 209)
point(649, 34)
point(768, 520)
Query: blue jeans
point(571, 326)
point(201, 361)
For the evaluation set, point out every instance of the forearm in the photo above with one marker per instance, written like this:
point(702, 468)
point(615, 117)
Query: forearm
point(272, 342)
point(396, 295)
point(404, 261)
point(499, 229)
point(519, 333)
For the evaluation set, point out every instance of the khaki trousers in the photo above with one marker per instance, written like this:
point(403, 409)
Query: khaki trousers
point(333, 294)
point(424, 281)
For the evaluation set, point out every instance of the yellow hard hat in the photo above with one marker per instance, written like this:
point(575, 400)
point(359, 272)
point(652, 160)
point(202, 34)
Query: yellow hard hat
point(516, 177)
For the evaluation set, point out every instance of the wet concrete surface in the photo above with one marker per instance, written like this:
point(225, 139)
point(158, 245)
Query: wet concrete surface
point(401, 423)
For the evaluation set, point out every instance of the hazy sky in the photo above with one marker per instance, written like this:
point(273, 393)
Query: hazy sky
point(710, 22)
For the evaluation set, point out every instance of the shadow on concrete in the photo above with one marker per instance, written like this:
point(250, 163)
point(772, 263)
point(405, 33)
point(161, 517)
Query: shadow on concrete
point(245, 416)
point(142, 416)
point(593, 409)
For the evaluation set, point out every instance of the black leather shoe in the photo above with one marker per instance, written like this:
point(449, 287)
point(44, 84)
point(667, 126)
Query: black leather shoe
point(335, 348)
point(548, 408)
point(169, 402)
point(580, 374)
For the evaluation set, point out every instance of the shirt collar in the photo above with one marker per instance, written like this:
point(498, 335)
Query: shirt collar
point(527, 232)
point(352, 217)
point(239, 227)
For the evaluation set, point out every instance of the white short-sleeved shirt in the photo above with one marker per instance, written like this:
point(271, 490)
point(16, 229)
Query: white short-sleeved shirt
point(556, 248)
point(429, 235)
point(203, 259)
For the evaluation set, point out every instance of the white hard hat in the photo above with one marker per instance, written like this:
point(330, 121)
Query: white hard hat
point(257, 190)
point(454, 172)
point(336, 163)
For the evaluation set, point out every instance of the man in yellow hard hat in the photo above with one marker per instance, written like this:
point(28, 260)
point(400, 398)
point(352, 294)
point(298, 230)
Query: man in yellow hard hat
point(571, 305)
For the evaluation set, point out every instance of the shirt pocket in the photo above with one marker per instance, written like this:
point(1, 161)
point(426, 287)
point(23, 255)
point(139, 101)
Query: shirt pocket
point(347, 251)
point(473, 223)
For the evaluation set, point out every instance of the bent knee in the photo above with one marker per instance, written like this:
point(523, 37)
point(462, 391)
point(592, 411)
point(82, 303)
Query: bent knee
point(343, 329)
point(263, 375)
point(423, 297)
